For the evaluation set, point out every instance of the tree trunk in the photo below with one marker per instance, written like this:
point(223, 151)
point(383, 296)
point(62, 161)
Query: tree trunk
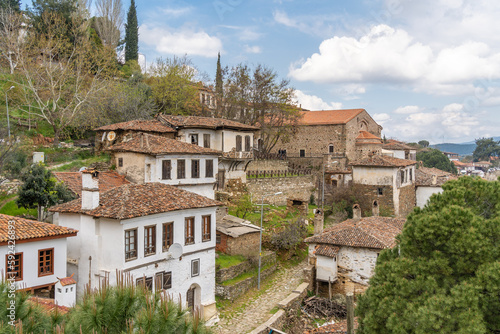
point(57, 132)
point(40, 213)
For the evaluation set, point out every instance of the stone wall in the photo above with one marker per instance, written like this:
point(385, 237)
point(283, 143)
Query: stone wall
point(295, 187)
point(246, 245)
point(407, 200)
point(225, 274)
point(277, 165)
point(235, 290)
point(366, 194)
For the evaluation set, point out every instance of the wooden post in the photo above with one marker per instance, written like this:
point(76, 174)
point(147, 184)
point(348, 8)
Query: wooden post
point(350, 312)
point(329, 288)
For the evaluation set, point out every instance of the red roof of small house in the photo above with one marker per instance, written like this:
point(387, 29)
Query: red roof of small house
point(178, 121)
point(425, 176)
point(138, 200)
point(329, 117)
point(30, 230)
point(107, 180)
point(138, 125)
point(156, 145)
point(366, 135)
point(327, 250)
point(383, 161)
point(368, 232)
point(67, 280)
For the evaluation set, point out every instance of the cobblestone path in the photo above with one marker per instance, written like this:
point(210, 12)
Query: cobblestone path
point(253, 308)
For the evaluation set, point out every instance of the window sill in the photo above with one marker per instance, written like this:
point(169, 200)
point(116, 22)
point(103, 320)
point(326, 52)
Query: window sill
point(131, 259)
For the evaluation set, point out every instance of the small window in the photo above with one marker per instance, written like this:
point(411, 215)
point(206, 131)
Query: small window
point(402, 176)
point(168, 236)
point(145, 282)
point(149, 240)
point(189, 231)
point(330, 149)
point(66, 290)
point(166, 167)
point(45, 262)
point(238, 143)
point(14, 265)
point(181, 169)
point(411, 175)
point(194, 139)
point(130, 244)
point(195, 169)
point(195, 267)
point(206, 140)
point(247, 144)
point(209, 168)
point(120, 162)
point(163, 281)
point(207, 226)
point(59, 290)
point(218, 238)
point(302, 153)
point(380, 191)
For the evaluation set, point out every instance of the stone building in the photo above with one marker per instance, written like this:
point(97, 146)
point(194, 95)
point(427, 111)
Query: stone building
point(400, 150)
point(385, 184)
point(346, 253)
point(236, 236)
point(331, 132)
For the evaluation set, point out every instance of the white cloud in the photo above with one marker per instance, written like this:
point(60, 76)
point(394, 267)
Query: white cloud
point(388, 55)
point(176, 12)
point(180, 42)
point(313, 102)
point(381, 118)
point(316, 25)
point(407, 110)
point(252, 49)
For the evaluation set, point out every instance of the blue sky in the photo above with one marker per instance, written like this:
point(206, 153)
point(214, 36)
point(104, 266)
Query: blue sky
point(425, 69)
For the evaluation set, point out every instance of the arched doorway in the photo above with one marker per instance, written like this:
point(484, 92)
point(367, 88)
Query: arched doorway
point(193, 297)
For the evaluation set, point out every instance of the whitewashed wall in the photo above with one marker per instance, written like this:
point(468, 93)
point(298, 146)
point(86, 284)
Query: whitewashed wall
point(361, 262)
point(424, 193)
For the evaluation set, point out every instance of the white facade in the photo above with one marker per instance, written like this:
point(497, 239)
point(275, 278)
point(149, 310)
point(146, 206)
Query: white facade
point(99, 249)
point(424, 193)
point(326, 268)
point(221, 140)
point(30, 251)
point(65, 295)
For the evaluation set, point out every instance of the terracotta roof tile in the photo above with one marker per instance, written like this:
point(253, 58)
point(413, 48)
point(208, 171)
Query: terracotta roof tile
point(369, 232)
point(26, 229)
point(327, 250)
point(107, 180)
point(137, 200)
point(327, 117)
point(156, 145)
point(366, 135)
point(67, 280)
point(397, 146)
point(383, 161)
point(425, 176)
point(204, 122)
point(138, 125)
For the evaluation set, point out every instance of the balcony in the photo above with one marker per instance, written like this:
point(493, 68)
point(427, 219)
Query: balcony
point(233, 154)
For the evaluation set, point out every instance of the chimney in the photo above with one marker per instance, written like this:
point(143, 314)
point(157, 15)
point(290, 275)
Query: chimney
point(90, 189)
point(356, 212)
point(318, 221)
point(434, 179)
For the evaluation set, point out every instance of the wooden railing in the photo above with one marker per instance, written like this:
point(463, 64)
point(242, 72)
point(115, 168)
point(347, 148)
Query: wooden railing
point(256, 174)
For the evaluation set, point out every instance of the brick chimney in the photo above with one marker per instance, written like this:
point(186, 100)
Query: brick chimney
point(90, 189)
point(356, 212)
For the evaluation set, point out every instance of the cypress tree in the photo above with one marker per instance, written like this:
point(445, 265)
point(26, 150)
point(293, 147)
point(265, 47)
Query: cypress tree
point(131, 34)
point(218, 77)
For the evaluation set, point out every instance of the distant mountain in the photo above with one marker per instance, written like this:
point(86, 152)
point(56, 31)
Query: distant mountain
point(460, 148)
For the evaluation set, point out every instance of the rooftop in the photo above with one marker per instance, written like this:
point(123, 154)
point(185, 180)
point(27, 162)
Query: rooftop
point(425, 176)
point(156, 145)
point(397, 146)
point(383, 161)
point(138, 125)
point(329, 117)
point(137, 200)
point(368, 232)
point(107, 180)
point(179, 121)
point(31, 230)
point(235, 227)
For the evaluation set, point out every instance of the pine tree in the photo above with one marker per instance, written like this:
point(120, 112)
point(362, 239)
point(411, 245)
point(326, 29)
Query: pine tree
point(12, 4)
point(131, 34)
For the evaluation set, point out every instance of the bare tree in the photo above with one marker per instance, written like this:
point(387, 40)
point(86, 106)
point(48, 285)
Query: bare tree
point(11, 36)
point(109, 21)
point(61, 71)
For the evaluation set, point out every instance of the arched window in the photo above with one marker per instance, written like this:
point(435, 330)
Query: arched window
point(330, 148)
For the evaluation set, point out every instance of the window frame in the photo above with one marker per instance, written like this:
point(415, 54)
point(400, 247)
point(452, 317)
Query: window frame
point(51, 262)
point(181, 168)
point(130, 258)
point(149, 233)
point(167, 237)
point(120, 162)
point(380, 191)
point(163, 280)
point(195, 263)
point(189, 230)
point(209, 168)
point(239, 144)
point(206, 231)
point(195, 168)
point(206, 140)
point(331, 148)
point(166, 169)
point(248, 145)
point(302, 153)
point(194, 138)
point(19, 276)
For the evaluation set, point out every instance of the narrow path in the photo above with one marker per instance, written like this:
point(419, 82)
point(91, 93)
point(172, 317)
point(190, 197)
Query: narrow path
point(253, 308)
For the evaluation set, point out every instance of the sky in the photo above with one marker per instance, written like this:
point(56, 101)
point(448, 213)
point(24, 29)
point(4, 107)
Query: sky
point(427, 69)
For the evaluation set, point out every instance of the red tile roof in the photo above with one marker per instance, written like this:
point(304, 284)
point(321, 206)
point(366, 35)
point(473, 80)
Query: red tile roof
point(107, 180)
point(327, 250)
point(425, 176)
point(156, 145)
point(366, 135)
point(383, 161)
point(67, 280)
point(369, 232)
point(204, 123)
point(397, 146)
point(26, 230)
point(328, 117)
point(138, 125)
point(137, 200)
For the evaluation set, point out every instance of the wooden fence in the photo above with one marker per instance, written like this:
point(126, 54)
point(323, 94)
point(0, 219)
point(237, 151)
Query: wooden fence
point(278, 173)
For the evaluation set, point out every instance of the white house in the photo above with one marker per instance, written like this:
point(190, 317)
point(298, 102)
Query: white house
point(131, 229)
point(347, 252)
point(34, 254)
point(429, 181)
point(235, 141)
point(148, 158)
point(400, 150)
